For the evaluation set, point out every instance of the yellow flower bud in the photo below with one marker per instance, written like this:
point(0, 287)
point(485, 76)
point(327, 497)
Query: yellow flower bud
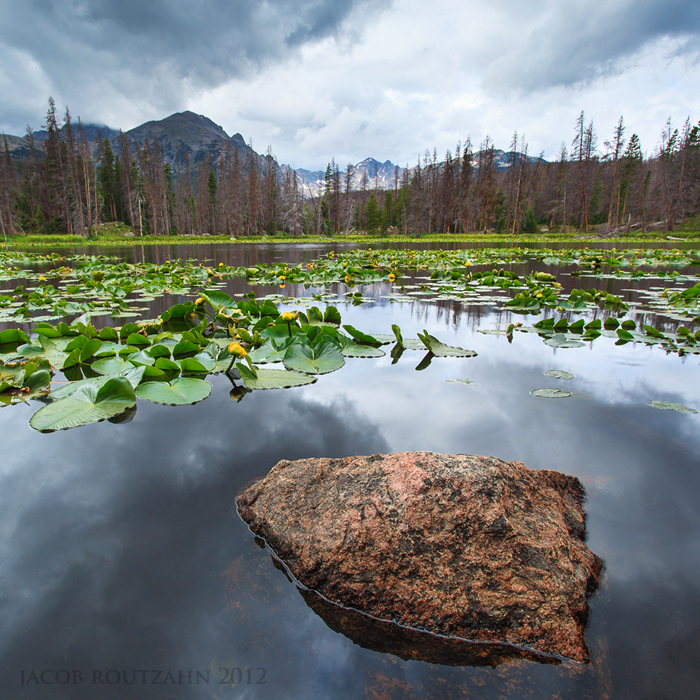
point(199, 301)
point(392, 277)
point(237, 350)
point(221, 264)
point(289, 316)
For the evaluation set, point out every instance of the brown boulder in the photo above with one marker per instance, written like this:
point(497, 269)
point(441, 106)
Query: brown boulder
point(460, 546)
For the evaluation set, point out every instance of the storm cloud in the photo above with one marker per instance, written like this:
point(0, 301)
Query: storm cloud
point(158, 51)
point(322, 79)
point(571, 42)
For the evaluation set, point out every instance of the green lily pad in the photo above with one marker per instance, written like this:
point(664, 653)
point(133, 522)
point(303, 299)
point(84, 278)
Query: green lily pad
point(90, 403)
point(559, 340)
point(550, 393)
point(355, 350)
point(111, 365)
point(314, 359)
point(558, 374)
point(179, 392)
point(273, 378)
point(441, 350)
point(272, 350)
point(670, 406)
point(218, 299)
point(361, 337)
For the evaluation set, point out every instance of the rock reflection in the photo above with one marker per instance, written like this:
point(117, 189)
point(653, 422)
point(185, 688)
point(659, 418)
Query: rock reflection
point(414, 645)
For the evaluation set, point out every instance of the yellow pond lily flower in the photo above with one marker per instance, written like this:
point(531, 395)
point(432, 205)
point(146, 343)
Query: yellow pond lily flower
point(392, 277)
point(237, 350)
point(289, 316)
point(199, 301)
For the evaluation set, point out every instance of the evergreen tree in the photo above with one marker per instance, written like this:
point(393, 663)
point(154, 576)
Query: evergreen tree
point(373, 217)
point(107, 182)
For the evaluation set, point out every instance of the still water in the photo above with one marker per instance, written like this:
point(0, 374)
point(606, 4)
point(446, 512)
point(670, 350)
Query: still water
point(121, 554)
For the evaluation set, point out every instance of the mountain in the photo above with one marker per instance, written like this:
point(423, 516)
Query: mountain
point(19, 147)
point(381, 175)
point(503, 160)
point(202, 139)
point(94, 132)
point(187, 132)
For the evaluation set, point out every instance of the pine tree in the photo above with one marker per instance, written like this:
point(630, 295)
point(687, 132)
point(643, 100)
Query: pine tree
point(373, 217)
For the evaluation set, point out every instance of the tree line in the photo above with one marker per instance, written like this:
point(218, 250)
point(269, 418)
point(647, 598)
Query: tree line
point(74, 185)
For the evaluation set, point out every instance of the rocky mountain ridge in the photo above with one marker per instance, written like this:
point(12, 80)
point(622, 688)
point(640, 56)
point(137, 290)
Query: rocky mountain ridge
point(186, 135)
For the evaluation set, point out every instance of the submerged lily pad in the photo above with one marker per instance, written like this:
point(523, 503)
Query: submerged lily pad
point(550, 393)
point(90, 403)
point(559, 340)
point(459, 381)
point(671, 406)
point(558, 374)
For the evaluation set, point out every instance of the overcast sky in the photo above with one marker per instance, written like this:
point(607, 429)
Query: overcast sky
point(349, 79)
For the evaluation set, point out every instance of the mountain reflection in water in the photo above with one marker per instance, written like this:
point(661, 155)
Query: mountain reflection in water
point(121, 549)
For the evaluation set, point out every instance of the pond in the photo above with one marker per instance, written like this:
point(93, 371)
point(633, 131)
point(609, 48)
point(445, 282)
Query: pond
point(127, 573)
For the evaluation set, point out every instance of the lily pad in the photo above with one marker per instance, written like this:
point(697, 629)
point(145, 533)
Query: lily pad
point(273, 378)
point(90, 403)
point(559, 340)
point(179, 392)
point(671, 406)
point(314, 359)
point(558, 374)
point(355, 350)
point(550, 393)
point(441, 350)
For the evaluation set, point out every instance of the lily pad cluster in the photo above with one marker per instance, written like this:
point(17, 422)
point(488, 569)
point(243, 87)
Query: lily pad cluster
point(564, 334)
point(453, 275)
point(95, 285)
point(166, 360)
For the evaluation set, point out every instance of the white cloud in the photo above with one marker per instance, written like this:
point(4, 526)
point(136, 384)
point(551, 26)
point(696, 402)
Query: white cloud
point(360, 83)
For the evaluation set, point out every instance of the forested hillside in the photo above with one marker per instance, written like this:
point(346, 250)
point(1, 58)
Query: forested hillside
point(152, 180)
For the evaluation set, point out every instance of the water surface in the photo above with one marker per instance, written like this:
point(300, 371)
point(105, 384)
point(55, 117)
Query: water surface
point(121, 553)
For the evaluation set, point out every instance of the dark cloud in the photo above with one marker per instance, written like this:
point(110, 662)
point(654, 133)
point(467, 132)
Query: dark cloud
point(92, 49)
point(579, 42)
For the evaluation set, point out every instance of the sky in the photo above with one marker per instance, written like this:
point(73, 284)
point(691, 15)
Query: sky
point(351, 79)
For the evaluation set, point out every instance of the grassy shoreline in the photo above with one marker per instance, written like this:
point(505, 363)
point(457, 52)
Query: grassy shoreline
point(111, 239)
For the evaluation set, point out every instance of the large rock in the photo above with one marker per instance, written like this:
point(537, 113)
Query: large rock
point(460, 546)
